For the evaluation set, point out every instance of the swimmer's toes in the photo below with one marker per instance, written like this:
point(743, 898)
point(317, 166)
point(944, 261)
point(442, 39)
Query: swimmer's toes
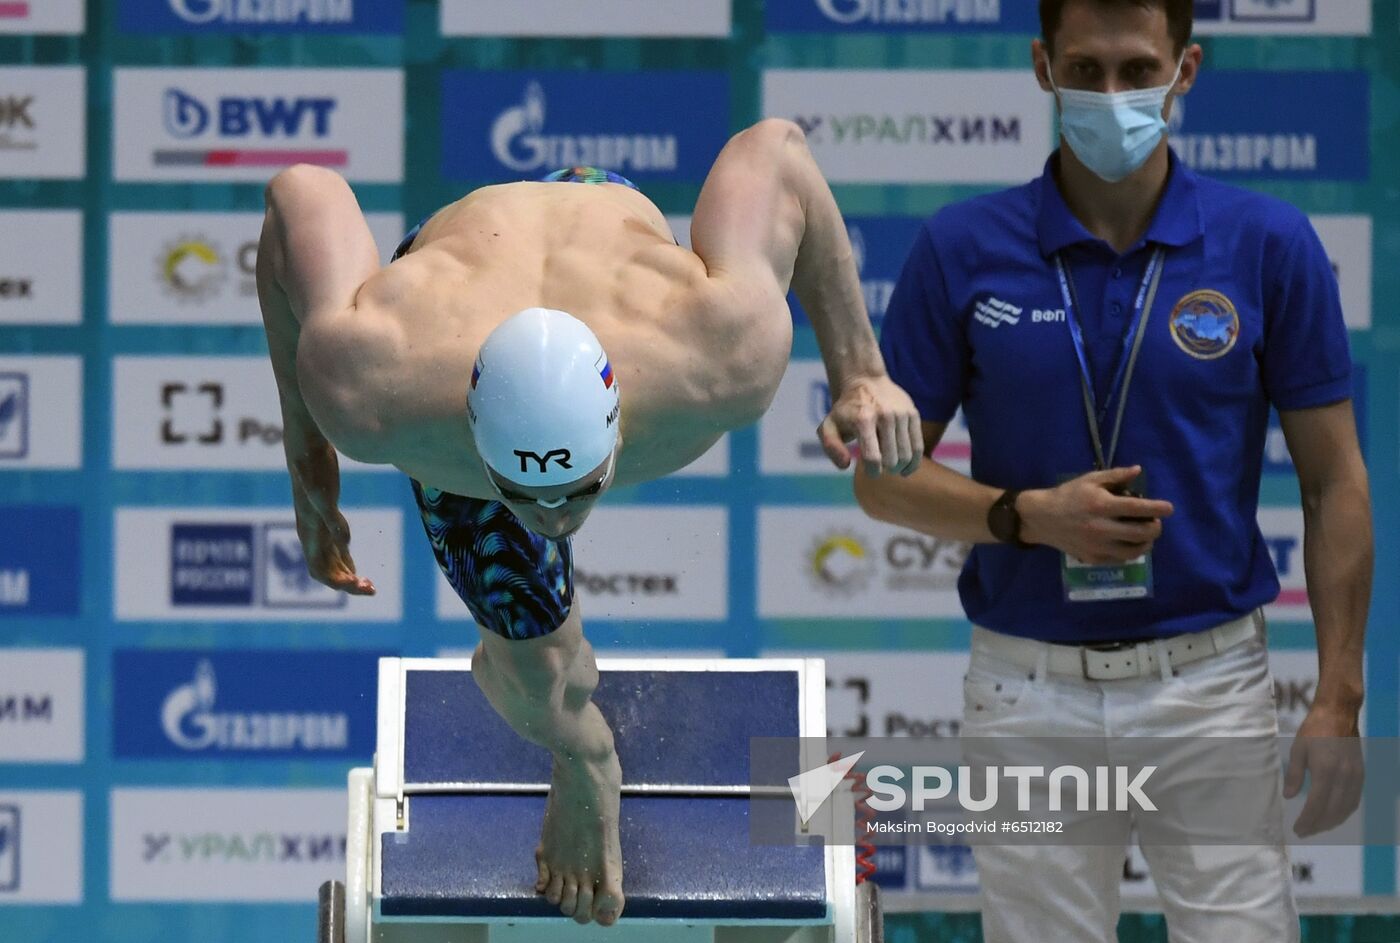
point(542, 880)
point(607, 903)
point(584, 912)
point(556, 889)
point(569, 900)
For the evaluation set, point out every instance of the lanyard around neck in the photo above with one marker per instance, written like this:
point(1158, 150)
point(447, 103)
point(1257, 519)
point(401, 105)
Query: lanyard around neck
point(1127, 358)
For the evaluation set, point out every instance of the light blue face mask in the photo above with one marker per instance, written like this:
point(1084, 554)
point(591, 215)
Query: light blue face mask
point(1113, 133)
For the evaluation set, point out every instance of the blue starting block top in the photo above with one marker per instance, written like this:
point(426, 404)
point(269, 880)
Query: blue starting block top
point(684, 858)
point(672, 728)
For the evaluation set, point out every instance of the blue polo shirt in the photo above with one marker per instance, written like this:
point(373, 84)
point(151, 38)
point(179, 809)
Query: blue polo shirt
point(1247, 314)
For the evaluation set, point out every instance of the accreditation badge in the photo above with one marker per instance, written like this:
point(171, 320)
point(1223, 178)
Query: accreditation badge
point(1092, 582)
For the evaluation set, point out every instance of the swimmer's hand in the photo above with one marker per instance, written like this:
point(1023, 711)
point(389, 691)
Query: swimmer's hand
point(876, 414)
point(324, 532)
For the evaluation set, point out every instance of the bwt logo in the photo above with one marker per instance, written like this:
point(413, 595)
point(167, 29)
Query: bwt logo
point(235, 117)
point(200, 12)
point(9, 847)
point(519, 142)
point(14, 415)
point(190, 722)
point(911, 11)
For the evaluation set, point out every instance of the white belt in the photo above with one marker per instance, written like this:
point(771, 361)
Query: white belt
point(1135, 661)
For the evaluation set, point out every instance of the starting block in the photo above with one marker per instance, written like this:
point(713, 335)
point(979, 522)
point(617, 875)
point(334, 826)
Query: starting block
point(442, 830)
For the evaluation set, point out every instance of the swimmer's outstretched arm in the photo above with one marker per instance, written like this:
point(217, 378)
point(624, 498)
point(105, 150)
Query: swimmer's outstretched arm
point(315, 252)
point(766, 221)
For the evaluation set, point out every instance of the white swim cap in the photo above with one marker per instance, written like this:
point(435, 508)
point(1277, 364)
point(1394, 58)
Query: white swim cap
point(543, 402)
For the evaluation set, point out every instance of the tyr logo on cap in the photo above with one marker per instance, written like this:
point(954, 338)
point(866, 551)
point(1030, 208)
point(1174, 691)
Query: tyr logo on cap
point(562, 456)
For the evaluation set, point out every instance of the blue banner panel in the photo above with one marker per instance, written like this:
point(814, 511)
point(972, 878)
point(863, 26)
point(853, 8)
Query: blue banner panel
point(1208, 11)
point(1276, 125)
point(261, 16)
point(40, 562)
point(270, 704)
point(503, 126)
point(212, 564)
point(880, 244)
point(901, 16)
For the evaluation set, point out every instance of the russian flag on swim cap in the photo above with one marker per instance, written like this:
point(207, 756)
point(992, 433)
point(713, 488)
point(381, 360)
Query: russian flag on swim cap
point(476, 372)
point(606, 371)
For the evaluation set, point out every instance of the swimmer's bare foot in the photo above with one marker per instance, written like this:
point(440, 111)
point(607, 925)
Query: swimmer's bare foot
point(579, 855)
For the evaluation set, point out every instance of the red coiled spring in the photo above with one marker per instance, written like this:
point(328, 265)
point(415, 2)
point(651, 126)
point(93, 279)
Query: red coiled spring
point(865, 849)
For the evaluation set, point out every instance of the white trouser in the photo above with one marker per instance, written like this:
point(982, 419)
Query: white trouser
point(1210, 893)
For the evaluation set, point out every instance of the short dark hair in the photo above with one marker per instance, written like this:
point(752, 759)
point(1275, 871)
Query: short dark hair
point(1180, 17)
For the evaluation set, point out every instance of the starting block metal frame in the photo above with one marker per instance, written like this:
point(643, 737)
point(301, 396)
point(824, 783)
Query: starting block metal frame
point(445, 761)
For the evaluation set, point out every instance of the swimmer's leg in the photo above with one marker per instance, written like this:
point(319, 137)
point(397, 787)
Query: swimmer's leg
point(538, 671)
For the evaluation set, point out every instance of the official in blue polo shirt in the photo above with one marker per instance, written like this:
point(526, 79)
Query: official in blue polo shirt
point(1115, 333)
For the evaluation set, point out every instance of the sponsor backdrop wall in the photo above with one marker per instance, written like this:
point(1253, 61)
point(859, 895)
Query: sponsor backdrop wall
point(179, 702)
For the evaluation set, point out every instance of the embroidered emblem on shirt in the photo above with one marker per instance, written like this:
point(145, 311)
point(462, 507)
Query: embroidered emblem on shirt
point(994, 312)
point(1205, 324)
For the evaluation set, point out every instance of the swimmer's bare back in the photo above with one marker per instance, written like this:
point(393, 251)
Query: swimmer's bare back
point(377, 362)
point(696, 356)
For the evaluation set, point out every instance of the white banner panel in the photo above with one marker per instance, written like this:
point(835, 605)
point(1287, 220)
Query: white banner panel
point(41, 705)
point(1283, 536)
point(913, 126)
point(41, 412)
point(247, 565)
point(713, 464)
point(1318, 871)
point(198, 268)
point(1295, 686)
point(635, 563)
point(246, 124)
point(41, 16)
point(41, 848)
point(824, 562)
point(1348, 241)
point(787, 433)
point(41, 266)
point(43, 122)
point(236, 845)
point(680, 228)
point(658, 18)
point(200, 413)
point(1283, 18)
point(889, 694)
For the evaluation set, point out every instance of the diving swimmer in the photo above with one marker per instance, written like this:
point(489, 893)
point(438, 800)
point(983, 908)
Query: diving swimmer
point(531, 346)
